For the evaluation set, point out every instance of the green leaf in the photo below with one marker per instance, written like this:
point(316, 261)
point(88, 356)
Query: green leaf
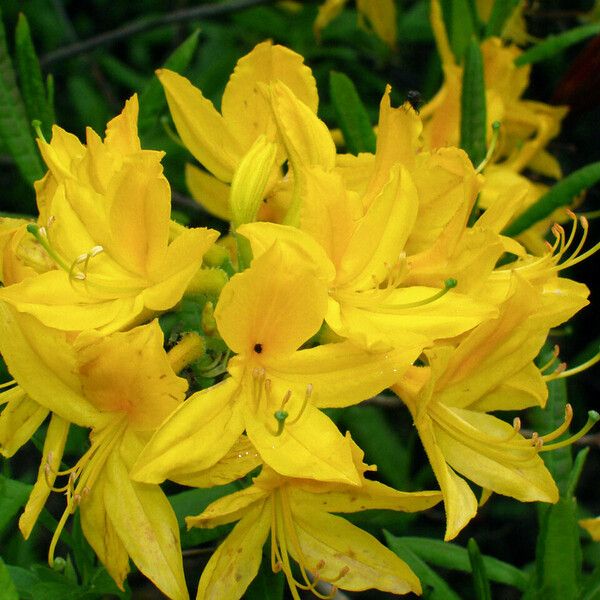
point(554, 44)
point(24, 580)
point(152, 97)
point(480, 579)
point(576, 471)
point(9, 591)
point(30, 78)
point(13, 496)
point(193, 502)
point(352, 116)
point(440, 590)
point(452, 556)
point(591, 591)
point(561, 194)
point(460, 24)
point(558, 554)
point(473, 117)
point(15, 128)
point(266, 585)
point(375, 434)
point(501, 12)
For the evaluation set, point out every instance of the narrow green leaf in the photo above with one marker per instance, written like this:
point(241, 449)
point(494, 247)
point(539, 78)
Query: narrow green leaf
point(480, 578)
point(9, 591)
point(473, 117)
point(591, 591)
point(13, 496)
point(460, 25)
point(554, 44)
point(452, 556)
point(30, 78)
point(266, 585)
point(352, 116)
point(152, 97)
point(15, 128)
point(501, 13)
point(558, 554)
point(440, 590)
point(122, 73)
point(561, 194)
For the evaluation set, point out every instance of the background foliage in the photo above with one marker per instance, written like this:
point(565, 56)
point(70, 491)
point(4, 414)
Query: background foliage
point(78, 88)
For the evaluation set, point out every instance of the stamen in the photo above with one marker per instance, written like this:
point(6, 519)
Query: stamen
point(39, 233)
point(561, 372)
point(593, 418)
point(307, 397)
point(7, 384)
point(555, 353)
point(561, 428)
point(494, 141)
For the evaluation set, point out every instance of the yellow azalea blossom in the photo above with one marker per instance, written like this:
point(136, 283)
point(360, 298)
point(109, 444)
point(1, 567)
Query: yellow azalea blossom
point(104, 231)
point(491, 369)
point(363, 238)
point(121, 387)
point(328, 549)
point(515, 28)
point(275, 389)
point(380, 14)
point(527, 125)
point(220, 141)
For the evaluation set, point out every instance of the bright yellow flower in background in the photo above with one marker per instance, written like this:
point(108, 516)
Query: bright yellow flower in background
point(296, 514)
point(121, 387)
point(380, 14)
point(275, 388)
point(101, 255)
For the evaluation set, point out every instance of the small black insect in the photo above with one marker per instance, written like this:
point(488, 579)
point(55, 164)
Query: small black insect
point(258, 348)
point(414, 98)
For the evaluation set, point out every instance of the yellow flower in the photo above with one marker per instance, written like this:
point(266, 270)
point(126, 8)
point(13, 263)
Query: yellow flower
point(381, 15)
point(104, 227)
point(220, 141)
point(264, 315)
point(366, 229)
point(491, 369)
point(121, 387)
point(527, 126)
point(328, 549)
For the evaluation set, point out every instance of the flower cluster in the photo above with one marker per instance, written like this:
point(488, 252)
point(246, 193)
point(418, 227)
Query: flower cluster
point(342, 277)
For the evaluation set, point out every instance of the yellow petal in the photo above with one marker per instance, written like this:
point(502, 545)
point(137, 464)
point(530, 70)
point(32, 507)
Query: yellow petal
point(122, 133)
point(340, 374)
point(381, 235)
point(236, 561)
point(102, 535)
point(211, 193)
point(295, 241)
point(229, 508)
point(43, 363)
point(194, 437)
point(202, 129)
point(518, 472)
point(19, 420)
point(311, 447)
point(331, 540)
point(147, 526)
point(328, 11)
point(382, 16)
point(306, 138)
point(460, 502)
point(239, 460)
point(54, 445)
point(592, 526)
point(275, 305)
point(130, 373)
point(371, 495)
point(250, 181)
point(245, 109)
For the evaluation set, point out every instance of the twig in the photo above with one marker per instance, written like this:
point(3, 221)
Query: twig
point(146, 23)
